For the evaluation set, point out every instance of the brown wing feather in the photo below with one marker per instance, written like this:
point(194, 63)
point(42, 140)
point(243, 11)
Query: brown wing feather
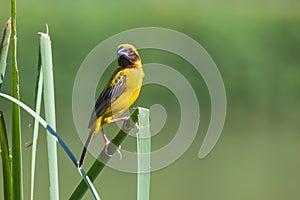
point(114, 89)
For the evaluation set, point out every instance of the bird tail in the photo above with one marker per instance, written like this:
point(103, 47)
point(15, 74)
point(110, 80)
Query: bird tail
point(85, 148)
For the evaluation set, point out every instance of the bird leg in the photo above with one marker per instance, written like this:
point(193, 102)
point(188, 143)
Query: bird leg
point(119, 119)
point(106, 145)
point(124, 127)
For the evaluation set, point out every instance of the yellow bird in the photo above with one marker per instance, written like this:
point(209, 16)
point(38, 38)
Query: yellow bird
point(118, 95)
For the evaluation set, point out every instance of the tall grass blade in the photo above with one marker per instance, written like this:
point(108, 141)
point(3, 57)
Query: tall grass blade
point(6, 165)
point(6, 161)
point(98, 166)
point(49, 103)
point(143, 153)
point(38, 100)
point(57, 138)
point(16, 120)
point(4, 45)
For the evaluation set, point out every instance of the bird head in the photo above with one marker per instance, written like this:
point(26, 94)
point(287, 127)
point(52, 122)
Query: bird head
point(128, 56)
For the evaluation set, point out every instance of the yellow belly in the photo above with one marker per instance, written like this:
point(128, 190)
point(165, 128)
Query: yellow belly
point(133, 84)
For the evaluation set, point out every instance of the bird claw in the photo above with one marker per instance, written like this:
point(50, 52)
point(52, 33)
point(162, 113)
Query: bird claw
point(137, 126)
point(106, 149)
point(118, 150)
point(127, 129)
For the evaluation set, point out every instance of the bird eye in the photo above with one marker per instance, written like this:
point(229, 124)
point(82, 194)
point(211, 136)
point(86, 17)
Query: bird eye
point(130, 51)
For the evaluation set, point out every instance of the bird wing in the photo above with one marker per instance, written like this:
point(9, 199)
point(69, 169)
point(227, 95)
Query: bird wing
point(113, 90)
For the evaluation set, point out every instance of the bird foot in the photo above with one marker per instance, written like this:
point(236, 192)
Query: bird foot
point(107, 143)
point(126, 128)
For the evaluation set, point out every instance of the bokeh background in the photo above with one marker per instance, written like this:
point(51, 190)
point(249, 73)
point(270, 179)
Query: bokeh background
point(256, 46)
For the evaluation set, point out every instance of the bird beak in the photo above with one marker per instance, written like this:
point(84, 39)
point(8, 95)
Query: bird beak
point(122, 52)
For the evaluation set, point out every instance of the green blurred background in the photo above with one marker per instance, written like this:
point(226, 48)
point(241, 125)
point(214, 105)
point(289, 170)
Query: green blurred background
point(256, 46)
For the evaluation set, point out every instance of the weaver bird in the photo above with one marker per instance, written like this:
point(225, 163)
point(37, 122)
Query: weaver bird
point(118, 95)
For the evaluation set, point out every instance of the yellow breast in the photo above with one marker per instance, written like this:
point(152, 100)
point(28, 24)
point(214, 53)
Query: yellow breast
point(133, 84)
